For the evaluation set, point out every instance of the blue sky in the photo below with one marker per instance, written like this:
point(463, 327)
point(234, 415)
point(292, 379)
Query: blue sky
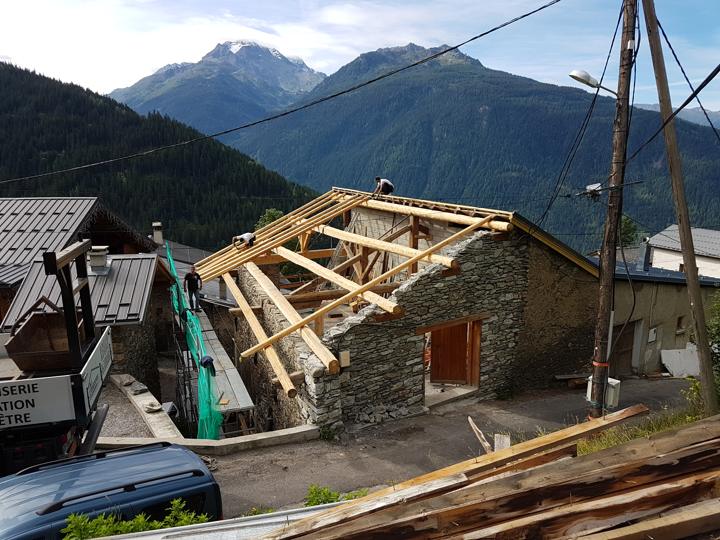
point(106, 44)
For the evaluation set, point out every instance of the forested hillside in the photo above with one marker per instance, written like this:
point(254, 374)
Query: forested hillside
point(203, 193)
point(455, 130)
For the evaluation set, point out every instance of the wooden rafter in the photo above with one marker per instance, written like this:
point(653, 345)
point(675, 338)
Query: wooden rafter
point(234, 258)
point(266, 260)
point(332, 294)
point(337, 279)
point(288, 311)
point(375, 244)
point(260, 335)
point(376, 255)
point(312, 284)
point(369, 285)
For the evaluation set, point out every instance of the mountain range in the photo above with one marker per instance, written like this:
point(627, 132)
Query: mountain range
point(204, 193)
point(691, 114)
point(236, 82)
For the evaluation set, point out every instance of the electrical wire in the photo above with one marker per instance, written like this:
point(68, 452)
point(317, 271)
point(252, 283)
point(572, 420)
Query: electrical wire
point(290, 111)
point(687, 79)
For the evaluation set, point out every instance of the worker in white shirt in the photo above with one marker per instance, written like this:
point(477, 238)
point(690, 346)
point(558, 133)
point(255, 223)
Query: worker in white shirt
point(383, 185)
point(247, 238)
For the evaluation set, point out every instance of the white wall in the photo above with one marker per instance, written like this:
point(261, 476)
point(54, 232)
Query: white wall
point(671, 260)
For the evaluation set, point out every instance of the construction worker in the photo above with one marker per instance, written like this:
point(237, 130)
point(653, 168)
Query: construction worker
point(247, 238)
point(192, 286)
point(383, 185)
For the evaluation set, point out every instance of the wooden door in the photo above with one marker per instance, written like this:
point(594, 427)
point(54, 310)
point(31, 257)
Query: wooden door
point(621, 359)
point(449, 354)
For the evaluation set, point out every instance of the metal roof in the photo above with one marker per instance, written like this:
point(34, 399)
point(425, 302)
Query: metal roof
point(706, 241)
point(31, 226)
point(654, 275)
point(120, 296)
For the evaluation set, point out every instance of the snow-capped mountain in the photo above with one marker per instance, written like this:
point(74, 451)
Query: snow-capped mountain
point(236, 82)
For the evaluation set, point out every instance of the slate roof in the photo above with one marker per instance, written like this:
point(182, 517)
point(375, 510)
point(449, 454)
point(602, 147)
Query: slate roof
point(655, 275)
point(706, 241)
point(183, 253)
point(119, 297)
point(31, 226)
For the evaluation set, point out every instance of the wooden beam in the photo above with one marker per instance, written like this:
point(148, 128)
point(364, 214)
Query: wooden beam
point(259, 332)
point(308, 336)
point(369, 285)
point(237, 312)
point(265, 260)
point(387, 238)
point(332, 294)
point(692, 520)
point(337, 279)
point(434, 215)
point(473, 468)
point(374, 243)
point(297, 377)
point(315, 282)
point(414, 229)
point(319, 326)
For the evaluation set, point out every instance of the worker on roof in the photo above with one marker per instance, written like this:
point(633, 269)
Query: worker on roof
point(192, 286)
point(383, 185)
point(247, 238)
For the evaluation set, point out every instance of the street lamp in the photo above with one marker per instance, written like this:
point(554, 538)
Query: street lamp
point(585, 78)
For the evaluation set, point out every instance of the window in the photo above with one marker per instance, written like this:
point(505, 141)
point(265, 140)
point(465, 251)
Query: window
point(682, 267)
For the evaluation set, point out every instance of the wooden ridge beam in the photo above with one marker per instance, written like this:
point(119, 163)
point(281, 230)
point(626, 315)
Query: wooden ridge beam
point(474, 468)
point(366, 287)
point(433, 215)
point(260, 335)
point(382, 245)
point(288, 311)
point(332, 294)
point(237, 259)
point(337, 279)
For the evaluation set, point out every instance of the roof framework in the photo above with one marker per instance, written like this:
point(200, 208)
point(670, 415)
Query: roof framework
point(362, 252)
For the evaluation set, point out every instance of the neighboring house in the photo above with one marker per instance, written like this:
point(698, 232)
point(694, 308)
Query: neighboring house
point(31, 226)
point(129, 293)
point(660, 318)
point(500, 309)
point(665, 250)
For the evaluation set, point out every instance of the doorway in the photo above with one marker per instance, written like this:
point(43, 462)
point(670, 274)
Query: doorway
point(622, 354)
point(452, 359)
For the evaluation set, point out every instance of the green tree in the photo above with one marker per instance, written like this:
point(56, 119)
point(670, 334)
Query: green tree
point(628, 232)
point(270, 215)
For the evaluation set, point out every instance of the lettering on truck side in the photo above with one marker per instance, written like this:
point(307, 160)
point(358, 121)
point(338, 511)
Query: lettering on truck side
point(19, 389)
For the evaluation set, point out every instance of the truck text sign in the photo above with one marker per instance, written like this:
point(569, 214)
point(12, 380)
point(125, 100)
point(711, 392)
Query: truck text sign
point(35, 401)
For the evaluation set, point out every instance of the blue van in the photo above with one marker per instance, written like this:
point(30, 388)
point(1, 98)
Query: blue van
point(35, 502)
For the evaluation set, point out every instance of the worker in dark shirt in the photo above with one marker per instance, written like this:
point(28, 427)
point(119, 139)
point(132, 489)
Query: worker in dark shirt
point(193, 284)
point(383, 186)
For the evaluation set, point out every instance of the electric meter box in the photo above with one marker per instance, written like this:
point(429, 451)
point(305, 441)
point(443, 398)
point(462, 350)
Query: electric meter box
point(612, 392)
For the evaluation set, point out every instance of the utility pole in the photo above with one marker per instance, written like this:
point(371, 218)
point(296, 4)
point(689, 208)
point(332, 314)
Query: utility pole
point(681, 211)
point(612, 221)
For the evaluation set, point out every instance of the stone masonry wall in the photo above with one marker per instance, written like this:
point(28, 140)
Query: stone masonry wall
point(385, 378)
point(134, 353)
point(557, 337)
point(317, 400)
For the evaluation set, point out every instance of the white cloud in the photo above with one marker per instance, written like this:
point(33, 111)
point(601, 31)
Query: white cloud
point(105, 44)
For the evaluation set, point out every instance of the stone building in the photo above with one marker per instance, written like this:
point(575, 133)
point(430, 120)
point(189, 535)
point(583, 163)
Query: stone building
point(479, 299)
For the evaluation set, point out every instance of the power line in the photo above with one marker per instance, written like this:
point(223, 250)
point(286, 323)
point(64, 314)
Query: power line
point(689, 99)
point(687, 79)
point(290, 111)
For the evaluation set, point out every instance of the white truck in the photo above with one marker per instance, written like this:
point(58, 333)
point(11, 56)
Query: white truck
point(49, 411)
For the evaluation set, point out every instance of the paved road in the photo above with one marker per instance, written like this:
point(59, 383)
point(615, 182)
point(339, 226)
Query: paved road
point(381, 455)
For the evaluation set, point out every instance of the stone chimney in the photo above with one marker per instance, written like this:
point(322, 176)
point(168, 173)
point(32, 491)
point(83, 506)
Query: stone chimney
point(99, 260)
point(157, 234)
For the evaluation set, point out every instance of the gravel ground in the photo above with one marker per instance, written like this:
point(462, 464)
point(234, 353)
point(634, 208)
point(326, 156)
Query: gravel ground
point(123, 419)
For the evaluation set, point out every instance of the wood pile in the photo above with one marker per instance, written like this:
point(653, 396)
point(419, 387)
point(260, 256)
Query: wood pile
point(665, 486)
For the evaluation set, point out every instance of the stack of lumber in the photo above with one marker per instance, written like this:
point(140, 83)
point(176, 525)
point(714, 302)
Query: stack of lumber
point(665, 486)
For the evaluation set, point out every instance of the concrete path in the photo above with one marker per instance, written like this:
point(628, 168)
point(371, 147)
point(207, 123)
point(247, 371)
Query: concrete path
point(395, 451)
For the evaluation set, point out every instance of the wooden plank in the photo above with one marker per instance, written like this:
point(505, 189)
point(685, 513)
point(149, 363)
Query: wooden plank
point(337, 279)
point(331, 294)
point(369, 285)
point(259, 332)
point(434, 215)
point(236, 259)
point(573, 519)
point(308, 336)
point(692, 520)
point(382, 245)
point(605, 473)
point(475, 468)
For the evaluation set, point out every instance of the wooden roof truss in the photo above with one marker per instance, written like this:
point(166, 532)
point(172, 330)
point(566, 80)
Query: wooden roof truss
point(362, 254)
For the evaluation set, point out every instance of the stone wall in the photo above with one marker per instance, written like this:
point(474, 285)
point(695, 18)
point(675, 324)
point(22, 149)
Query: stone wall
point(134, 353)
point(559, 319)
point(385, 378)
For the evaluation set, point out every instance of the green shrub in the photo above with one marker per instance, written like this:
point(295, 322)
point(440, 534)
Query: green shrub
point(258, 510)
point(81, 527)
point(323, 495)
